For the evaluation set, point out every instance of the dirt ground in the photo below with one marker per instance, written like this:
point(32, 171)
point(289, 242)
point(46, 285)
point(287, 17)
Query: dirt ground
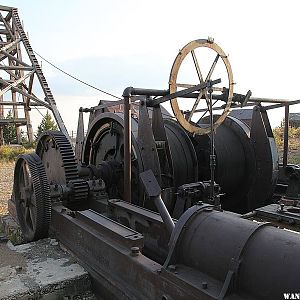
point(6, 184)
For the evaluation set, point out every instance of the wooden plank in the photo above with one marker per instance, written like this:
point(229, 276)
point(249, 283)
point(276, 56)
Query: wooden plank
point(20, 121)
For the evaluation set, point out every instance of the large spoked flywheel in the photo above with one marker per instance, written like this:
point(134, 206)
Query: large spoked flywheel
point(32, 197)
point(198, 62)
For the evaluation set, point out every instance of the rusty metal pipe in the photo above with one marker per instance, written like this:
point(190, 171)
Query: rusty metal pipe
point(127, 143)
point(163, 211)
point(269, 100)
point(293, 102)
point(149, 92)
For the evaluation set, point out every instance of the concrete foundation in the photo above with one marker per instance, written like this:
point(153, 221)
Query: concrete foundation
point(40, 270)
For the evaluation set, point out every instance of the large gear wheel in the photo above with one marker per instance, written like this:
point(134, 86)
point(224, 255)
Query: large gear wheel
point(58, 157)
point(32, 197)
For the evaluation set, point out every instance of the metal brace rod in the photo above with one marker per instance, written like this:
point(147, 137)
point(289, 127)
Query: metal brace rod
point(212, 157)
point(181, 93)
point(127, 144)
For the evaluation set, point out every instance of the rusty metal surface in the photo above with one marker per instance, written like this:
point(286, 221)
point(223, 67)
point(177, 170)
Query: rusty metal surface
point(283, 216)
point(146, 141)
point(241, 254)
point(132, 252)
point(266, 159)
point(32, 197)
point(117, 270)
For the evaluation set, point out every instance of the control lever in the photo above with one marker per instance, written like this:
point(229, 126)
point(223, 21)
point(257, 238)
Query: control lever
point(246, 99)
point(153, 191)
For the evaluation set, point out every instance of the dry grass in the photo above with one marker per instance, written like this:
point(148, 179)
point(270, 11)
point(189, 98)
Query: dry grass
point(294, 143)
point(6, 183)
point(10, 153)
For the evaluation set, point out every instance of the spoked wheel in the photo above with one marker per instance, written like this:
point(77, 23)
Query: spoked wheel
point(32, 197)
point(187, 72)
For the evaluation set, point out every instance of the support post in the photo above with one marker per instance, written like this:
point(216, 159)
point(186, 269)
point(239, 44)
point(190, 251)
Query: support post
point(286, 136)
point(26, 100)
point(1, 117)
point(79, 137)
point(127, 144)
point(212, 158)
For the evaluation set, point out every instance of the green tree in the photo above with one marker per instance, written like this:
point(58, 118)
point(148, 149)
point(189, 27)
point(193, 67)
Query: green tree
point(46, 124)
point(9, 131)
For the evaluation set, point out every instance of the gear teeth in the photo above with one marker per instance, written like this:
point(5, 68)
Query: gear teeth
point(66, 151)
point(81, 191)
point(79, 186)
point(41, 192)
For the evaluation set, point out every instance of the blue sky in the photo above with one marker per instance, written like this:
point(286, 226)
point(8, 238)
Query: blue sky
point(114, 44)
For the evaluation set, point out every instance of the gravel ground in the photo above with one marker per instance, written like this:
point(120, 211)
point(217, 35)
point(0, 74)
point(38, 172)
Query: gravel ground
point(6, 184)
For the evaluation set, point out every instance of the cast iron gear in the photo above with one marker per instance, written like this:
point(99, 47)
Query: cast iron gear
point(32, 197)
point(58, 157)
point(57, 154)
point(80, 192)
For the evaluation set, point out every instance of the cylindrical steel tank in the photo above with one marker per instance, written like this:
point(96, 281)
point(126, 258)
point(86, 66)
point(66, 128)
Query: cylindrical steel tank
point(261, 261)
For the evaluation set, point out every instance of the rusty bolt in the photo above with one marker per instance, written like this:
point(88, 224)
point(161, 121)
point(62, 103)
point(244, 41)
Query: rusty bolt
point(135, 251)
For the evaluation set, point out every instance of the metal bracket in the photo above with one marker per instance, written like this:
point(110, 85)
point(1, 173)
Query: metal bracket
point(236, 260)
point(180, 225)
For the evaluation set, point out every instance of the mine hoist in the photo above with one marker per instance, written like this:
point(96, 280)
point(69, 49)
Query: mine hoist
point(163, 207)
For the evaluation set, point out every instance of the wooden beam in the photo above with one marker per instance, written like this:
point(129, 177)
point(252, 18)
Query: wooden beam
point(16, 68)
point(6, 8)
point(7, 25)
point(14, 84)
point(15, 59)
point(8, 16)
point(19, 121)
point(13, 43)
